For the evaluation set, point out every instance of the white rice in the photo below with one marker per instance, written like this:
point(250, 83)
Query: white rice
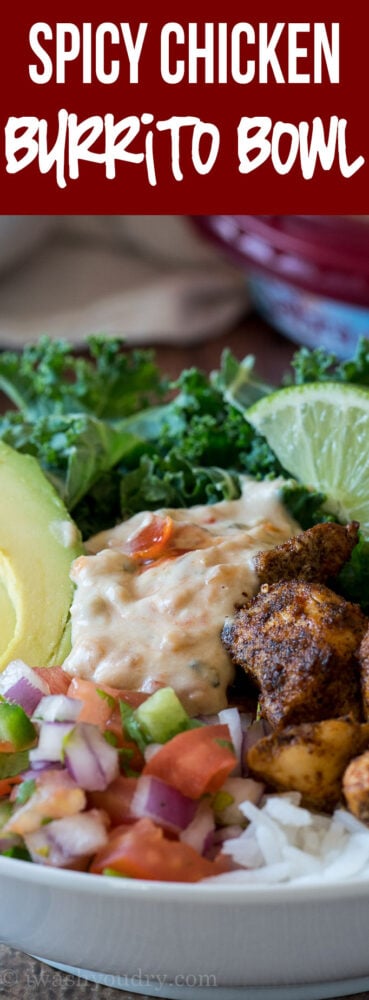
point(285, 843)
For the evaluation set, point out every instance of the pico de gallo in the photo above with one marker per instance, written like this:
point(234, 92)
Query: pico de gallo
point(118, 783)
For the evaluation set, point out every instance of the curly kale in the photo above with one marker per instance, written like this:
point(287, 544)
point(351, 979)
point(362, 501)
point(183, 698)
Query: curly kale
point(108, 383)
point(115, 436)
point(320, 365)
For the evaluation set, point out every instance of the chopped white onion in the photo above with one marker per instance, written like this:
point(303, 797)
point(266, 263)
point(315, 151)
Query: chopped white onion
point(238, 790)
point(151, 750)
point(231, 717)
point(57, 708)
point(50, 742)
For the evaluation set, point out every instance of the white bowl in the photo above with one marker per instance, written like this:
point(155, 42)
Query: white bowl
point(198, 935)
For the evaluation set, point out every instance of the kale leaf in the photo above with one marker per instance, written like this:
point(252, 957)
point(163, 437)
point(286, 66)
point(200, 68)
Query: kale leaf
point(109, 383)
point(319, 365)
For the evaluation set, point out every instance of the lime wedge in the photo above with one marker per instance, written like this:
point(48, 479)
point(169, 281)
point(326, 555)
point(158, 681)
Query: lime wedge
point(320, 433)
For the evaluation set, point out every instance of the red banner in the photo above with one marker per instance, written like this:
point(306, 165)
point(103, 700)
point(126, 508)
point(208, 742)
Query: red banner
point(124, 111)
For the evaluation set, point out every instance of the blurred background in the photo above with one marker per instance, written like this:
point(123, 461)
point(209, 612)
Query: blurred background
point(179, 280)
point(152, 279)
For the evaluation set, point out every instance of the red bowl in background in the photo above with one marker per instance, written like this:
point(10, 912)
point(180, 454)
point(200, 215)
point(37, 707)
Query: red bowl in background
point(307, 275)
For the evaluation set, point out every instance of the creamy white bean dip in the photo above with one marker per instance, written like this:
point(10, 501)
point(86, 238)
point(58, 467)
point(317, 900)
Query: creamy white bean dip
point(139, 624)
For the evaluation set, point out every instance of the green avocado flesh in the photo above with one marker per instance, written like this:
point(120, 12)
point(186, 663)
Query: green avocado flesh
point(38, 542)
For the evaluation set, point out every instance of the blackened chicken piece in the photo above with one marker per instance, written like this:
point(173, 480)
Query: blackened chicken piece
point(297, 641)
point(356, 787)
point(316, 554)
point(311, 758)
point(364, 670)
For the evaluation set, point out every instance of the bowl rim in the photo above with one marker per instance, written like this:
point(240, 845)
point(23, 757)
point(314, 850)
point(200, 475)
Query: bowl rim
point(199, 892)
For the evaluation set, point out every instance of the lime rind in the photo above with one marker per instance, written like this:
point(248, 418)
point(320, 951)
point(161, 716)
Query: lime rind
point(320, 434)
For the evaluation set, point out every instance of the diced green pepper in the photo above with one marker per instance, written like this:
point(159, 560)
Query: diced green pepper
point(24, 791)
point(131, 726)
point(15, 726)
point(6, 810)
point(162, 716)
point(13, 763)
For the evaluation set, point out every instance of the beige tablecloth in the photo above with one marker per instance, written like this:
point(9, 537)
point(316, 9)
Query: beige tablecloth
point(148, 278)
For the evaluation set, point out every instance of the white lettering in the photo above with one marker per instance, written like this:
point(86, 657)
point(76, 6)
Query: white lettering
point(329, 49)
point(171, 29)
point(308, 141)
point(87, 52)
point(280, 130)
point(196, 52)
point(249, 143)
point(119, 136)
point(222, 52)
point(347, 169)
point(55, 156)
point(102, 31)
point(248, 74)
point(200, 129)
point(315, 145)
point(295, 53)
point(26, 139)
point(20, 134)
point(66, 33)
point(133, 49)
point(91, 45)
point(36, 76)
point(267, 53)
point(209, 130)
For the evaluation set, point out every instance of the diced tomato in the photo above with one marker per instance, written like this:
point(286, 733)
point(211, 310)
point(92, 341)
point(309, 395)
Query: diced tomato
point(115, 800)
point(97, 709)
point(55, 677)
point(151, 540)
point(104, 712)
point(132, 698)
point(6, 784)
point(196, 761)
point(142, 851)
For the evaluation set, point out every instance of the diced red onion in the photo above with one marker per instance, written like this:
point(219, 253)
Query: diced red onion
point(50, 742)
point(37, 766)
point(57, 708)
point(163, 804)
point(90, 760)
point(63, 841)
point(246, 720)
point(231, 717)
point(7, 842)
point(198, 833)
point(21, 685)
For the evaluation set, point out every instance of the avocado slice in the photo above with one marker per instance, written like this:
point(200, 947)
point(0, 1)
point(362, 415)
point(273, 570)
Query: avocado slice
point(38, 542)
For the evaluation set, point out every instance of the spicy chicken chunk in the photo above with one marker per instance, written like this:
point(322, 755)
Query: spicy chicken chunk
point(310, 758)
point(364, 672)
point(356, 787)
point(297, 641)
point(316, 554)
